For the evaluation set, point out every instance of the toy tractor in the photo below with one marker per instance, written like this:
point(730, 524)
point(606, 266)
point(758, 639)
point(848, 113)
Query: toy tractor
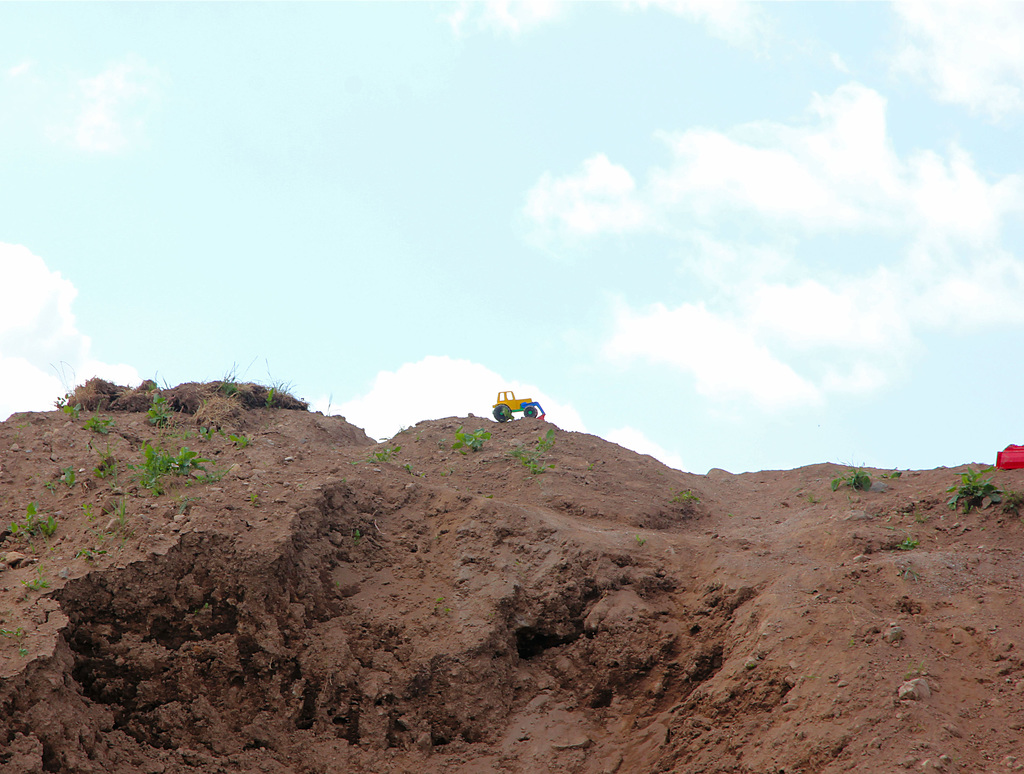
point(507, 403)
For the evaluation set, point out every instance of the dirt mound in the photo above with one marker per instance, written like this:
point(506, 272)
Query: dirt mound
point(276, 592)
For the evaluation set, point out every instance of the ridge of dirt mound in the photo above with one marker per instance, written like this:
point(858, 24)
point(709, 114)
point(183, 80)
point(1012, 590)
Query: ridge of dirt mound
point(206, 400)
point(283, 594)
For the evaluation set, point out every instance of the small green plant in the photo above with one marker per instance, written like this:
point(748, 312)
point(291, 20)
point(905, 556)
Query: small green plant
point(34, 524)
point(89, 553)
point(67, 475)
point(19, 632)
point(106, 467)
point(472, 441)
point(49, 526)
point(908, 544)
point(893, 474)
point(87, 509)
point(909, 573)
point(51, 485)
point(213, 476)
point(640, 541)
point(156, 464)
point(271, 393)
point(972, 490)
point(187, 462)
point(439, 607)
point(385, 454)
point(254, 500)
point(159, 413)
point(812, 499)
point(356, 536)
point(207, 433)
point(685, 496)
point(857, 479)
point(64, 404)
point(1013, 501)
point(240, 441)
point(100, 425)
point(37, 583)
point(530, 457)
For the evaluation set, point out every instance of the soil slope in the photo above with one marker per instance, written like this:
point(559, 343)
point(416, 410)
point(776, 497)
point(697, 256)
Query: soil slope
point(309, 601)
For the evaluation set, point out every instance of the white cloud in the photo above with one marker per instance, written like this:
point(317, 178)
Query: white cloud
point(737, 22)
point(39, 337)
point(722, 354)
point(969, 52)
point(782, 329)
point(440, 386)
point(510, 17)
point(110, 109)
point(835, 170)
point(602, 198)
point(19, 70)
point(631, 438)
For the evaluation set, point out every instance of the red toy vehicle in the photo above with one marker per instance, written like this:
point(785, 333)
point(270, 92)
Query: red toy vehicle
point(1010, 458)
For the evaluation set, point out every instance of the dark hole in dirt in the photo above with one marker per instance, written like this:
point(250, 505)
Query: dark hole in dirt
point(706, 664)
point(51, 761)
point(531, 642)
point(308, 712)
point(695, 629)
point(602, 698)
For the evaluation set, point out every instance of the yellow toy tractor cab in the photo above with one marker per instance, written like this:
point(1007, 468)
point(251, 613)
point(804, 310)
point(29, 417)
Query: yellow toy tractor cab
point(507, 403)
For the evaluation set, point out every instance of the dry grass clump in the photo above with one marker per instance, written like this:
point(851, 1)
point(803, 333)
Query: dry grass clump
point(212, 403)
point(95, 395)
point(219, 411)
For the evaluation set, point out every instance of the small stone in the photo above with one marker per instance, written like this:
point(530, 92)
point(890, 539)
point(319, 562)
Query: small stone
point(15, 447)
point(894, 635)
point(64, 573)
point(16, 559)
point(573, 741)
point(423, 743)
point(861, 558)
point(289, 459)
point(914, 690)
point(858, 515)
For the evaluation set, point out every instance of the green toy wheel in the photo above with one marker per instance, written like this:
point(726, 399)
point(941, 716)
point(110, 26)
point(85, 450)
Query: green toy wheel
point(502, 413)
point(530, 411)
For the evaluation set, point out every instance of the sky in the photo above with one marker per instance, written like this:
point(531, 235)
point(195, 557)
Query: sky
point(730, 235)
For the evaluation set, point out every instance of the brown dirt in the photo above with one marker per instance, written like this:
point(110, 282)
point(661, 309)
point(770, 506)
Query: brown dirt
point(333, 605)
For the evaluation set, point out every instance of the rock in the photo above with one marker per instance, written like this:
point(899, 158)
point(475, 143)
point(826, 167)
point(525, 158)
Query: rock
point(423, 743)
point(858, 515)
point(894, 635)
point(573, 741)
point(16, 559)
point(914, 690)
point(878, 486)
